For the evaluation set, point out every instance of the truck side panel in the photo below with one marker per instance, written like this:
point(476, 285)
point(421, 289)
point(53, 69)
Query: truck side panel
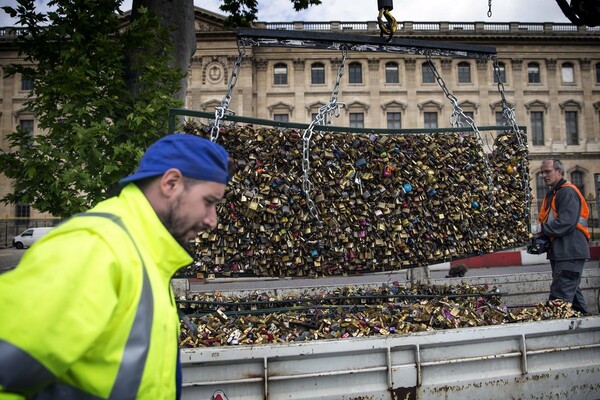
point(546, 359)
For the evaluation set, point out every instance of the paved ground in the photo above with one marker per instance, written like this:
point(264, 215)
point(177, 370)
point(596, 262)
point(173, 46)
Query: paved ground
point(9, 258)
point(400, 276)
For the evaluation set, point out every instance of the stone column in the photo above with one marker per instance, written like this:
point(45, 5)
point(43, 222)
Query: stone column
point(409, 118)
point(299, 85)
point(588, 133)
point(554, 113)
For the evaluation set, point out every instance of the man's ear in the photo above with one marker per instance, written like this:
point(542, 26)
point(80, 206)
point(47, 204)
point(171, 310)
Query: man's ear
point(171, 182)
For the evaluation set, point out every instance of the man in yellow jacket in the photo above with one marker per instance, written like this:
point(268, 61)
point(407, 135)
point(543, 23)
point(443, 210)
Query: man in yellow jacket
point(89, 313)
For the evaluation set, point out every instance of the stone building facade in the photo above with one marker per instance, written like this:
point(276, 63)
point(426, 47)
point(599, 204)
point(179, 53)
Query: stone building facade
point(550, 73)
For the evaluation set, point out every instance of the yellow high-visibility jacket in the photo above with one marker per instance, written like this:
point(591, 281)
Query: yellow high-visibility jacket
point(89, 312)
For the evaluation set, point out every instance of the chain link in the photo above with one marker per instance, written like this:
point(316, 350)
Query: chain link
point(456, 119)
point(508, 117)
point(325, 113)
point(221, 110)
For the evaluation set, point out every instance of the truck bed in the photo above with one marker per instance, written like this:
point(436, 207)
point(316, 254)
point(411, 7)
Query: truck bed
point(541, 360)
point(556, 359)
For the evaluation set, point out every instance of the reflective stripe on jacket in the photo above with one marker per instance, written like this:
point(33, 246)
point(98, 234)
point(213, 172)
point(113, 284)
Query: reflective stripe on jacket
point(88, 313)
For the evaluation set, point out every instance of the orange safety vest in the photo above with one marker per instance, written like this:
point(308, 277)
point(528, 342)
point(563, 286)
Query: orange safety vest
point(583, 215)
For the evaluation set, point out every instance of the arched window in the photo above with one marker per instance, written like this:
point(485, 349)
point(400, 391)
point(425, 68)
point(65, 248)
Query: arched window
point(533, 73)
point(502, 71)
point(280, 74)
point(568, 73)
point(26, 83)
point(464, 72)
point(355, 72)
point(317, 73)
point(427, 74)
point(392, 72)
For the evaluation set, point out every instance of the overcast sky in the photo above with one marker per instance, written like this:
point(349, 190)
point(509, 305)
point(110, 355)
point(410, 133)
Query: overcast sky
point(404, 10)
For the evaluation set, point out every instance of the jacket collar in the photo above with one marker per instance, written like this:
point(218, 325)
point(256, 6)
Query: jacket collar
point(153, 239)
point(558, 185)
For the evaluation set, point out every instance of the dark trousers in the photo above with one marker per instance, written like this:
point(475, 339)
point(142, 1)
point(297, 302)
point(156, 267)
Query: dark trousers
point(566, 277)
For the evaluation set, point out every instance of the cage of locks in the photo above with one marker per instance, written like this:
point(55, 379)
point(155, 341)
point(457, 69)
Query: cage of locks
point(382, 201)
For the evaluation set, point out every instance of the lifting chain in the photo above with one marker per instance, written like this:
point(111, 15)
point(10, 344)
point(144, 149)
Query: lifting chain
point(325, 113)
point(489, 8)
point(391, 25)
point(223, 109)
point(508, 116)
point(456, 119)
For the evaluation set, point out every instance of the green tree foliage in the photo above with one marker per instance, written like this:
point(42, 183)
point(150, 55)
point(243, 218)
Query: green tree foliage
point(102, 92)
point(94, 126)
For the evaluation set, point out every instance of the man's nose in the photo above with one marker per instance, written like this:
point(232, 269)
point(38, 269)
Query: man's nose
point(211, 218)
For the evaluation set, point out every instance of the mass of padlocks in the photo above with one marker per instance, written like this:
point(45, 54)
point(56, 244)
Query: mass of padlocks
point(383, 202)
point(347, 312)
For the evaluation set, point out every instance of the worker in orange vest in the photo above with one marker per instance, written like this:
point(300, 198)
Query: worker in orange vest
point(563, 218)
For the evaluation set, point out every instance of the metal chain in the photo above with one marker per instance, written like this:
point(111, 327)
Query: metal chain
point(489, 8)
point(457, 116)
point(328, 110)
point(224, 107)
point(508, 117)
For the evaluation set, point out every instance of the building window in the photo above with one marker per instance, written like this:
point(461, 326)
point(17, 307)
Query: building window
point(394, 120)
point(427, 73)
point(280, 74)
point(281, 117)
point(23, 213)
point(568, 73)
point(598, 73)
point(26, 84)
point(464, 72)
point(357, 120)
point(430, 119)
point(501, 70)
point(317, 74)
point(540, 188)
point(26, 125)
point(571, 126)
point(463, 119)
point(499, 120)
point(355, 73)
point(577, 180)
point(391, 73)
point(533, 73)
point(537, 128)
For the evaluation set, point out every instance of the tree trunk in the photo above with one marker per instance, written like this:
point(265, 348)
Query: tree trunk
point(178, 15)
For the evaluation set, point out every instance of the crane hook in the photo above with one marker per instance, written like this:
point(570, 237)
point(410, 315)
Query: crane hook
point(390, 26)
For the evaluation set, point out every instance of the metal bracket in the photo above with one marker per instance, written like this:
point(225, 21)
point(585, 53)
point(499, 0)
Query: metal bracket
point(365, 43)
